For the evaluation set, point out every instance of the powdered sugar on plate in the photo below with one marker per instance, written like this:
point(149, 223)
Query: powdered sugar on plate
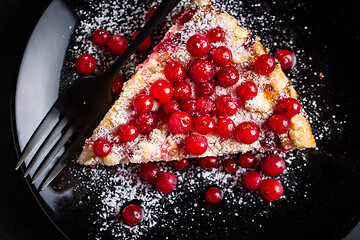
point(110, 189)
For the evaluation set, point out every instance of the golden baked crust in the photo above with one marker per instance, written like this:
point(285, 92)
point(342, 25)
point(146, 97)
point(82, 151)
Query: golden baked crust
point(162, 146)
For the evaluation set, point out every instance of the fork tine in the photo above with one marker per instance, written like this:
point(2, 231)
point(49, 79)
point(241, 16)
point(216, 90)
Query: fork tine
point(56, 148)
point(48, 121)
point(65, 159)
point(45, 145)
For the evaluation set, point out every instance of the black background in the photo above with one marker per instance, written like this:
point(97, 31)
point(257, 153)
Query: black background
point(333, 23)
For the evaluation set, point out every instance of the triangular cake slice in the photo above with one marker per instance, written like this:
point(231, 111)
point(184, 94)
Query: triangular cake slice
point(185, 100)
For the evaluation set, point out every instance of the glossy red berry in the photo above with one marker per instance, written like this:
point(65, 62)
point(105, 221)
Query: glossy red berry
point(143, 103)
point(206, 89)
point(272, 165)
point(247, 91)
point(221, 56)
point(247, 132)
point(226, 106)
point(252, 180)
point(246, 160)
point(227, 76)
point(189, 106)
point(182, 91)
point(170, 107)
point(208, 162)
point(288, 107)
point(117, 86)
point(145, 44)
point(201, 70)
point(102, 147)
point(264, 64)
point(128, 132)
point(213, 195)
point(204, 105)
point(149, 172)
point(117, 44)
point(279, 124)
point(204, 125)
point(161, 90)
point(271, 189)
point(145, 122)
point(216, 34)
point(174, 72)
point(179, 122)
point(198, 45)
point(86, 64)
point(225, 127)
point(196, 144)
point(132, 214)
point(180, 164)
point(230, 165)
point(285, 57)
point(100, 37)
point(151, 12)
point(166, 182)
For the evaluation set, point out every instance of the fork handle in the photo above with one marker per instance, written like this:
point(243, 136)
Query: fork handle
point(160, 13)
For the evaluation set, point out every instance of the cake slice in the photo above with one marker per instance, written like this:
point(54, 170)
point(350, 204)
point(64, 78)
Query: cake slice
point(207, 89)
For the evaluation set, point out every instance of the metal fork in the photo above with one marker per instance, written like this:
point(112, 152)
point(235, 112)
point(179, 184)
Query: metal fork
point(78, 111)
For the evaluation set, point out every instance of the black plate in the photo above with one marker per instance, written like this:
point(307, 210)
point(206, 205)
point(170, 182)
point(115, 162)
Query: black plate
point(321, 186)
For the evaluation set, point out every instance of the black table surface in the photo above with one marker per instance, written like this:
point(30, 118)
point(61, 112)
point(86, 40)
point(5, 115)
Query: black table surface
point(20, 215)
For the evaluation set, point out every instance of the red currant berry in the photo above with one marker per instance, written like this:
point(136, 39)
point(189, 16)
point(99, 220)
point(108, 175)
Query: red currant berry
point(132, 214)
point(208, 162)
point(227, 76)
point(247, 90)
point(201, 70)
point(174, 72)
point(247, 133)
point(166, 182)
point(230, 165)
point(145, 44)
point(221, 56)
point(204, 105)
point(179, 122)
point(117, 86)
point(161, 90)
point(272, 165)
point(204, 124)
point(86, 64)
point(151, 12)
point(271, 189)
point(264, 64)
point(117, 44)
point(145, 123)
point(188, 106)
point(170, 107)
point(102, 147)
point(143, 103)
point(289, 107)
point(100, 37)
point(180, 164)
point(149, 172)
point(196, 144)
point(225, 127)
point(285, 57)
point(182, 91)
point(226, 106)
point(246, 160)
point(206, 89)
point(128, 132)
point(216, 34)
point(198, 45)
point(252, 180)
point(213, 195)
point(279, 124)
